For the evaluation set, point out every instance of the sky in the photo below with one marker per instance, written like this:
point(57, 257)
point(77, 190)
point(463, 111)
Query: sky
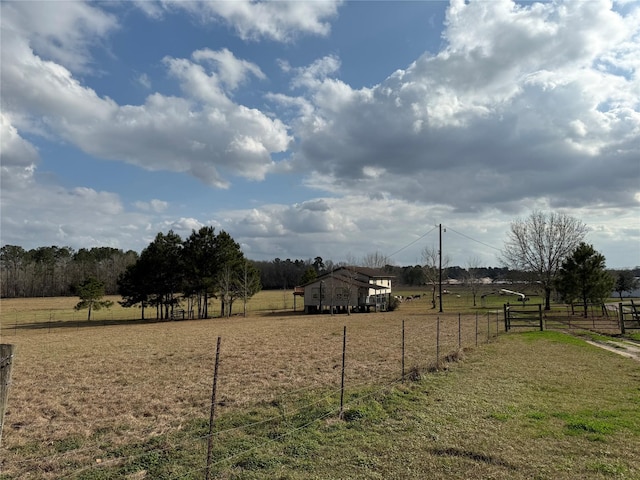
point(320, 128)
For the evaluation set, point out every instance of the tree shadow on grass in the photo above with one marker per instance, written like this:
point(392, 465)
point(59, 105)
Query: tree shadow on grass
point(77, 324)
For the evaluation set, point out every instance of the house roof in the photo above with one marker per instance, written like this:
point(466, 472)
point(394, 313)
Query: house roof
point(367, 272)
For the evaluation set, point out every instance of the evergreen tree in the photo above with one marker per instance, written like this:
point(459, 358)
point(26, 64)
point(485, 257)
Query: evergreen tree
point(163, 269)
point(133, 286)
point(625, 282)
point(91, 292)
point(200, 262)
point(583, 277)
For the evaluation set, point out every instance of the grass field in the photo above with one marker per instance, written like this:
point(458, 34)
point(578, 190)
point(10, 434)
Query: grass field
point(116, 399)
point(20, 311)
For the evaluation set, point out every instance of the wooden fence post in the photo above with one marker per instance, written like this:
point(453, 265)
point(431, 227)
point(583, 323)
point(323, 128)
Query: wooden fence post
point(621, 315)
point(540, 315)
point(438, 343)
point(476, 329)
point(6, 361)
point(403, 350)
point(488, 327)
point(213, 410)
point(344, 352)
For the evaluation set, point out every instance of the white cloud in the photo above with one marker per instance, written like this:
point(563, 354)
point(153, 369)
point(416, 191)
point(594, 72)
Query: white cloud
point(15, 150)
point(253, 20)
point(336, 228)
point(520, 104)
point(153, 205)
point(231, 71)
point(203, 134)
point(182, 226)
point(60, 31)
point(316, 73)
point(144, 80)
point(79, 217)
point(526, 106)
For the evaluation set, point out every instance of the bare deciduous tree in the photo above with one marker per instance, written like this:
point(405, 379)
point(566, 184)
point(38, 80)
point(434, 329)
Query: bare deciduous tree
point(472, 277)
point(540, 243)
point(431, 268)
point(375, 260)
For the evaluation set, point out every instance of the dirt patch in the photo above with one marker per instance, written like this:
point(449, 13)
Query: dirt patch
point(626, 348)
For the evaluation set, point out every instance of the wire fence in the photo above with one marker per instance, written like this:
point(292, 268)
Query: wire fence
point(295, 381)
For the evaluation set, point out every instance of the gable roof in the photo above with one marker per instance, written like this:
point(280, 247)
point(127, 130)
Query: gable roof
point(369, 272)
point(372, 273)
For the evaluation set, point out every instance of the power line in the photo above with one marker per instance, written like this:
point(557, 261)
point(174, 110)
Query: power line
point(416, 240)
point(473, 239)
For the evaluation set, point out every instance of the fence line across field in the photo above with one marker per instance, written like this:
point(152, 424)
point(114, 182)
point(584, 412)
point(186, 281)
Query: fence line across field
point(443, 345)
point(337, 411)
point(470, 331)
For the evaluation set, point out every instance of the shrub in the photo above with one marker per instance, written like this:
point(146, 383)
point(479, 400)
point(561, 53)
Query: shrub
point(393, 304)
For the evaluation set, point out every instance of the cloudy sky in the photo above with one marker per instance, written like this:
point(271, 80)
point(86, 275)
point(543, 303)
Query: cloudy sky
point(332, 129)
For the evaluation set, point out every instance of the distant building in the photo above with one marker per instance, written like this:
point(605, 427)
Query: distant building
point(347, 289)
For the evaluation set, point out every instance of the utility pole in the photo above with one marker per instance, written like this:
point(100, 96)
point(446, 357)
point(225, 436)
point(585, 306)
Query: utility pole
point(440, 269)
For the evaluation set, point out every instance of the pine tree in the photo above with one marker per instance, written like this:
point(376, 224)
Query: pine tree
point(91, 292)
point(583, 277)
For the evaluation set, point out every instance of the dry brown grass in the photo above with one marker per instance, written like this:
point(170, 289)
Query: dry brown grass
point(116, 384)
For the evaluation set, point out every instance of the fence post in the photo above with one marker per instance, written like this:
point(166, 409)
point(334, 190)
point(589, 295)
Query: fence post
point(6, 360)
point(438, 343)
point(476, 329)
point(403, 350)
point(540, 315)
point(344, 351)
point(459, 333)
point(505, 311)
point(213, 409)
point(621, 315)
point(488, 327)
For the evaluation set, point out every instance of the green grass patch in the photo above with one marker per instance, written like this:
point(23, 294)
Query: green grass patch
point(72, 442)
point(553, 336)
point(513, 410)
point(633, 336)
point(609, 469)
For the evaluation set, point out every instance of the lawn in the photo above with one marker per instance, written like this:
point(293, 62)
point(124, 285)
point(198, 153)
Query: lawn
point(116, 399)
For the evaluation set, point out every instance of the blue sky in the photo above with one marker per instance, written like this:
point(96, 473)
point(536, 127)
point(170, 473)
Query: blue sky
point(332, 129)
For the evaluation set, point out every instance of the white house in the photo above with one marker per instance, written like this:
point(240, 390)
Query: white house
point(347, 288)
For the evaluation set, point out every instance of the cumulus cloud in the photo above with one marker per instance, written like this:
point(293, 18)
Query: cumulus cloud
point(525, 106)
point(253, 20)
point(335, 226)
point(153, 205)
point(78, 217)
point(16, 151)
point(523, 101)
point(63, 34)
point(204, 133)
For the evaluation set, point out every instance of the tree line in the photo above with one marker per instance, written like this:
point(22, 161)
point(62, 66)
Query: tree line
point(208, 264)
point(57, 271)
